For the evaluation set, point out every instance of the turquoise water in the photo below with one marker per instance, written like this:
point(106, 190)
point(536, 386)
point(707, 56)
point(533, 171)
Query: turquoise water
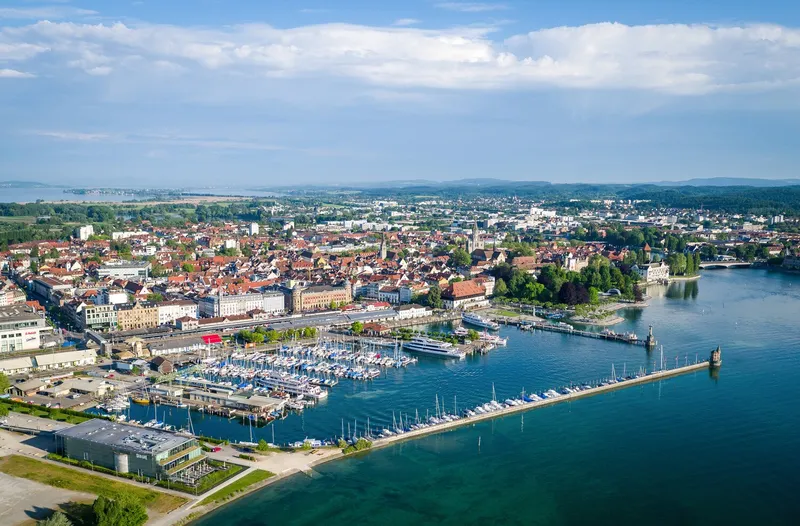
point(688, 450)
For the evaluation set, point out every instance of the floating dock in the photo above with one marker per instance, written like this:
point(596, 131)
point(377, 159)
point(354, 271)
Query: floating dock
point(569, 329)
point(468, 420)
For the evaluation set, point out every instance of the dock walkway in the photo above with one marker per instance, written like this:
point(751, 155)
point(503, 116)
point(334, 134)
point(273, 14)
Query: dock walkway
point(464, 421)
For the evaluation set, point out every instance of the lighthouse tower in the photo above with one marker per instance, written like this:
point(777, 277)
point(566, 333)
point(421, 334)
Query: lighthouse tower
point(650, 342)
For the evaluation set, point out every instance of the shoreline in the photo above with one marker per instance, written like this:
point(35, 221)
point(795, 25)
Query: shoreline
point(380, 443)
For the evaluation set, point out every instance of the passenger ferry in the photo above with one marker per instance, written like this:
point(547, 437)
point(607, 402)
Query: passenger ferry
point(429, 346)
point(479, 321)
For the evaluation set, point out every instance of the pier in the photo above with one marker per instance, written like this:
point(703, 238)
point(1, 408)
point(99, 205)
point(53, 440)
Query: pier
point(468, 420)
point(569, 329)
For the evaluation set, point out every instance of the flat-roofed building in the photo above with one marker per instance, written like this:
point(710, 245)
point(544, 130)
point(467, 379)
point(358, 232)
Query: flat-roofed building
point(140, 315)
point(48, 361)
point(131, 270)
point(216, 306)
point(169, 311)
point(21, 328)
point(46, 288)
point(130, 449)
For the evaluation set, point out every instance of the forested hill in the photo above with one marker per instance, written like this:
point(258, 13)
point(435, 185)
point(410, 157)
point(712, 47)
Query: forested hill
point(734, 199)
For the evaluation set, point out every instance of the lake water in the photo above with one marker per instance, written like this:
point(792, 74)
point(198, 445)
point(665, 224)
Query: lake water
point(30, 195)
point(696, 449)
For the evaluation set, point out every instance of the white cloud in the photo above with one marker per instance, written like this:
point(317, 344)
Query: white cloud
point(14, 74)
point(39, 13)
point(471, 7)
point(163, 141)
point(72, 135)
point(670, 58)
point(402, 22)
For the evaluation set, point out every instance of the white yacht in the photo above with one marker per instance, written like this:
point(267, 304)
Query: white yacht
point(479, 321)
point(429, 346)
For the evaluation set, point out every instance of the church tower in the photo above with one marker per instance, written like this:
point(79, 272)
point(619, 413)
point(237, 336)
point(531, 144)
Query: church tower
point(475, 242)
point(383, 246)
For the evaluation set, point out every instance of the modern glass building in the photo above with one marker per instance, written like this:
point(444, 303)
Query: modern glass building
point(130, 449)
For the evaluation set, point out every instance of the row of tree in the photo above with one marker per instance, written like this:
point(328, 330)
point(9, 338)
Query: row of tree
point(556, 285)
point(264, 335)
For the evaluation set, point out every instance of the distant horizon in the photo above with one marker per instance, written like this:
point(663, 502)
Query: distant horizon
point(477, 182)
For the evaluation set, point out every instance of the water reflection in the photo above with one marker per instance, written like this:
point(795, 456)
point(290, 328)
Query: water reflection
point(683, 290)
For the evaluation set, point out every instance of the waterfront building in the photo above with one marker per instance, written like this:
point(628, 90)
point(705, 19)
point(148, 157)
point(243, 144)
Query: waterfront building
point(464, 294)
point(21, 328)
point(177, 345)
point(140, 315)
point(130, 270)
point(652, 272)
point(125, 448)
point(272, 303)
point(412, 311)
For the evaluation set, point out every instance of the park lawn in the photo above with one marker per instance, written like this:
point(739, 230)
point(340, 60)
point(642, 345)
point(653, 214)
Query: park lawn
point(78, 480)
point(508, 313)
point(254, 477)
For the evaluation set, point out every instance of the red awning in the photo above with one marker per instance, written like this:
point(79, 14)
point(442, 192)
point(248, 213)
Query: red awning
point(212, 338)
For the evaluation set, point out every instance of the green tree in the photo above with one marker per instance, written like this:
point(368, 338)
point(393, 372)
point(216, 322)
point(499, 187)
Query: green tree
point(53, 254)
point(122, 510)
point(473, 335)
point(357, 327)
point(187, 267)
point(435, 297)
point(460, 258)
point(56, 519)
point(262, 445)
point(500, 288)
point(4, 383)
point(594, 296)
point(155, 297)
point(3, 410)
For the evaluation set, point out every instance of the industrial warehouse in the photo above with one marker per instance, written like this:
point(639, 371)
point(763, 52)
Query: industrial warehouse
point(125, 448)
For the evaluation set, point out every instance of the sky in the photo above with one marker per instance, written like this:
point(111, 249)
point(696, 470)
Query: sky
point(249, 93)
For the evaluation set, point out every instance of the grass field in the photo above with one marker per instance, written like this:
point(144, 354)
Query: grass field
point(28, 220)
point(507, 313)
point(254, 477)
point(78, 480)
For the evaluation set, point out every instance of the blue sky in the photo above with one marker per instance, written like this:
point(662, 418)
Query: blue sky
point(250, 93)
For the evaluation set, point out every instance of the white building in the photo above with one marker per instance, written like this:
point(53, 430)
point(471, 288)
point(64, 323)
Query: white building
point(130, 270)
point(49, 361)
point(169, 311)
point(20, 328)
point(653, 272)
point(84, 232)
point(112, 297)
point(215, 306)
point(407, 312)
point(253, 229)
